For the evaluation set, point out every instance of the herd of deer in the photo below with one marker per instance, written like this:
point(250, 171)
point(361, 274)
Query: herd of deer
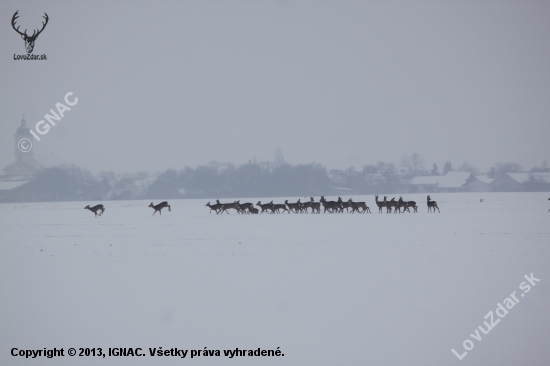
point(297, 207)
point(300, 207)
point(328, 206)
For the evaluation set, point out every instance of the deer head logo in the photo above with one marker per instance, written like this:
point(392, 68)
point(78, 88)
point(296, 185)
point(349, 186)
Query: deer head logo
point(29, 40)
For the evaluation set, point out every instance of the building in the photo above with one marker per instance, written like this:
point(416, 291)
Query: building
point(481, 183)
point(455, 182)
point(424, 184)
point(22, 169)
point(450, 182)
point(24, 165)
point(516, 182)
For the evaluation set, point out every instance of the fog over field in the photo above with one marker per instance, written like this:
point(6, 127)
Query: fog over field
point(341, 83)
point(109, 109)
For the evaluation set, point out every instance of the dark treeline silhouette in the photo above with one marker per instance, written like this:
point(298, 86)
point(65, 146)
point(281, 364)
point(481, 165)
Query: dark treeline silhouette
point(223, 180)
point(249, 180)
point(66, 183)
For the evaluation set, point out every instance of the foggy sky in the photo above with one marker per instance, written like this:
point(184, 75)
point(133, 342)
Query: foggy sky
point(171, 84)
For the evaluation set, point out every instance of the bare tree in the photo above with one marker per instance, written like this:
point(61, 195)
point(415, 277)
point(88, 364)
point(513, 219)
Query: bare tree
point(412, 164)
point(279, 158)
point(466, 167)
point(501, 168)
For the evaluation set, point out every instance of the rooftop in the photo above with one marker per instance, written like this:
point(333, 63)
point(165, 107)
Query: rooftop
point(454, 180)
point(426, 180)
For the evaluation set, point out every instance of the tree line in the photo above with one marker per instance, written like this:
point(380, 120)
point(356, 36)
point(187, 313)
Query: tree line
point(224, 180)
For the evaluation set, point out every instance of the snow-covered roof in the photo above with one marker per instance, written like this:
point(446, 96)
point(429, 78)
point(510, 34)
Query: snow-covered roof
point(485, 178)
point(529, 177)
point(426, 180)
point(11, 184)
point(454, 180)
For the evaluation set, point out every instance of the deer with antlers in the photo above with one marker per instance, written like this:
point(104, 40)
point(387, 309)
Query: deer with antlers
point(95, 209)
point(29, 40)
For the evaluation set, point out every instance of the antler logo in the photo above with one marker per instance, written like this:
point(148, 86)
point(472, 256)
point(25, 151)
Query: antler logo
point(29, 40)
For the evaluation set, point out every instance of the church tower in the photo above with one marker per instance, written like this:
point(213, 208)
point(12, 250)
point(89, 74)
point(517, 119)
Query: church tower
point(24, 165)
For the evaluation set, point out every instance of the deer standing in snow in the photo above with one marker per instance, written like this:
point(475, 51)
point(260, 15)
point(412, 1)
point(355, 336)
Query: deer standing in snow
point(432, 204)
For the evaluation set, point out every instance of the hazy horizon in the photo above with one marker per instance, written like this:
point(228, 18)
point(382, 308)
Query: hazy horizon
point(169, 85)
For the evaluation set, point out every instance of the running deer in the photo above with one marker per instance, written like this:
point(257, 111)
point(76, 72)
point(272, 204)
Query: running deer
point(329, 205)
point(432, 205)
point(159, 207)
point(280, 206)
point(355, 206)
point(306, 205)
point(265, 206)
point(95, 209)
point(243, 207)
point(217, 207)
point(293, 206)
point(226, 206)
point(380, 204)
point(345, 205)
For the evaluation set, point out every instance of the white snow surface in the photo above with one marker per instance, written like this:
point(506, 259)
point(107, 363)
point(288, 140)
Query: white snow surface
point(340, 289)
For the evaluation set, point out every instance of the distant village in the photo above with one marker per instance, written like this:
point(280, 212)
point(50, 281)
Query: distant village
point(25, 180)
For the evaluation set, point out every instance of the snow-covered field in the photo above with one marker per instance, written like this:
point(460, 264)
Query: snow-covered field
point(372, 289)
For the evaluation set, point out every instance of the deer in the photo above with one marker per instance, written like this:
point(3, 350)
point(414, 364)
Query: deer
point(306, 205)
point(159, 207)
point(226, 206)
point(345, 205)
point(315, 206)
point(217, 207)
point(293, 206)
point(412, 204)
point(266, 206)
point(355, 206)
point(29, 40)
point(401, 204)
point(432, 205)
point(253, 210)
point(279, 206)
point(380, 204)
point(329, 205)
point(391, 204)
point(95, 209)
point(243, 207)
